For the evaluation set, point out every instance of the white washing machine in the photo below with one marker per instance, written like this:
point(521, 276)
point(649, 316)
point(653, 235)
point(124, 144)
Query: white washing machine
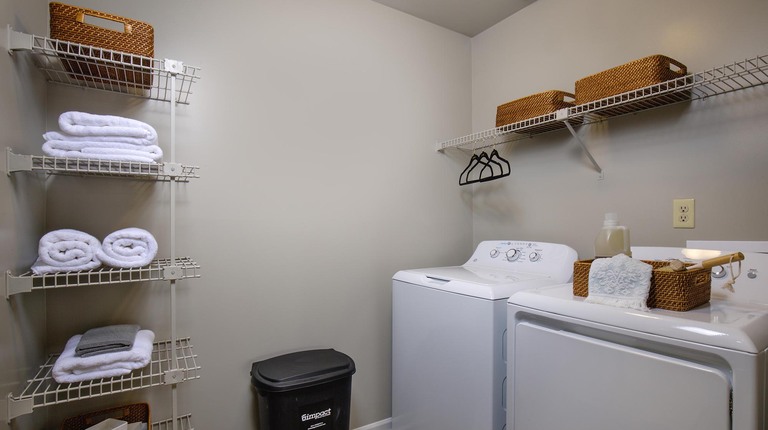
point(448, 326)
point(586, 366)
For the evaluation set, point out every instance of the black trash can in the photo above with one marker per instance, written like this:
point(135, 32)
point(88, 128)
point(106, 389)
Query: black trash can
point(304, 390)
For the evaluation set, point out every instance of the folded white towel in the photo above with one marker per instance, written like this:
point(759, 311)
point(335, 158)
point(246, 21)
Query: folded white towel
point(69, 368)
point(86, 124)
point(619, 281)
point(115, 151)
point(57, 135)
point(66, 250)
point(129, 247)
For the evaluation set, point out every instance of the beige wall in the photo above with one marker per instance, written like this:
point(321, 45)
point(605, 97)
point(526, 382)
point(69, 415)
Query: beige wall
point(22, 119)
point(713, 151)
point(314, 125)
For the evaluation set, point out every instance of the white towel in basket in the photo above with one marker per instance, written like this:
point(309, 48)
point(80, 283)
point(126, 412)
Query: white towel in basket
point(70, 368)
point(620, 281)
point(66, 250)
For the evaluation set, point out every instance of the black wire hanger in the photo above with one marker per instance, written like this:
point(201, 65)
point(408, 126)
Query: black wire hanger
point(490, 168)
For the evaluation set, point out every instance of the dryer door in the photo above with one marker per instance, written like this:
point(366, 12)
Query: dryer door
point(569, 381)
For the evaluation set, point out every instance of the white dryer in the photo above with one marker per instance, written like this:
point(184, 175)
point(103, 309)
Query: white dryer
point(586, 366)
point(448, 324)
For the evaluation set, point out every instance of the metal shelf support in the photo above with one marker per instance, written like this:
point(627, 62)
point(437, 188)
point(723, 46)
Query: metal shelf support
point(16, 285)
point(17, 162)
point(17, 40)
point(17, 408)
point(562, 115)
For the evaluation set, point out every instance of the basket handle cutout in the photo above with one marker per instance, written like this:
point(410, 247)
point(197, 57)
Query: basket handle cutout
point(677, 67)
point(104, 22)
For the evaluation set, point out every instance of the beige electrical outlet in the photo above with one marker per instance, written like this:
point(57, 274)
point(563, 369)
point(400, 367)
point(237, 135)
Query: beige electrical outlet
point(683, 213)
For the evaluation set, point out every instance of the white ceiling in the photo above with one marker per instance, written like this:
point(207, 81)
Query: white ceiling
point(469, 17)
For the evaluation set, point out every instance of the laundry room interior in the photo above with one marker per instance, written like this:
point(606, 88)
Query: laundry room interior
point(316, 129)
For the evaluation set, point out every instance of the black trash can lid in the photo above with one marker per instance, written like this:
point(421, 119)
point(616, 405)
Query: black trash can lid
point(301, 369)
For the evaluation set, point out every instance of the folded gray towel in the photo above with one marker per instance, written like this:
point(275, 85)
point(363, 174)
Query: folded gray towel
point(102, 340)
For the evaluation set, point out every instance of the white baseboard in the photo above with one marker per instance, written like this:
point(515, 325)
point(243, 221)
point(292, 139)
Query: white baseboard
point(379, 425)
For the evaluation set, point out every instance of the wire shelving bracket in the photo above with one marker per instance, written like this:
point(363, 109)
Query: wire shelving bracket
point(43, 390)
point(102, 69)
point(748, 73)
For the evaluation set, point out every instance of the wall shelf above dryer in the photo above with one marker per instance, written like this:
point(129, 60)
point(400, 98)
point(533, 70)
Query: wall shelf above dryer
point(736, 76)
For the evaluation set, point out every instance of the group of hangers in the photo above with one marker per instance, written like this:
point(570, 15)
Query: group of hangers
point(484, 167)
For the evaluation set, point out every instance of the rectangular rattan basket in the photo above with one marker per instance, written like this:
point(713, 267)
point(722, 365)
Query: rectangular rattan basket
point(674, 291)
point(532, 106)
point(136, 40)
point(135, 413)
point(636, 74)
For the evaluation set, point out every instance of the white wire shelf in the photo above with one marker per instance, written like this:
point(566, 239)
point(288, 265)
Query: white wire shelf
point(158, 270)
point(107, 70)
point(43, 390)
point(183, 423)
point(736, 76)
point(93, 167)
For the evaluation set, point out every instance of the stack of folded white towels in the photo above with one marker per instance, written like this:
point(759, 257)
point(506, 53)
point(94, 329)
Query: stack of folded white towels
point(69, 250)
point(104, 352)
point(102, 137)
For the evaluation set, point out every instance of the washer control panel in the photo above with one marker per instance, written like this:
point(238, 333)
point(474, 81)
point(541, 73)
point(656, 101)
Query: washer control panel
point(524, 256)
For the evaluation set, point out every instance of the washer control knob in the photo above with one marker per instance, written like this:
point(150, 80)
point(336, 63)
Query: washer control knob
point(513, 254)
point(494, 253)
point(534, 256)
point(719, 272)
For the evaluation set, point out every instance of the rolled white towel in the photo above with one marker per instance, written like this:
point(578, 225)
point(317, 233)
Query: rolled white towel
point(70, 368)
point(127, 248)
point(87, 124)
point(57, 135)
point(114, 151)
point(66, 250)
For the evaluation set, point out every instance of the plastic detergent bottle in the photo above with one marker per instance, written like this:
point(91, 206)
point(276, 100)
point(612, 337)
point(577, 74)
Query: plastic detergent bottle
point(613, 238)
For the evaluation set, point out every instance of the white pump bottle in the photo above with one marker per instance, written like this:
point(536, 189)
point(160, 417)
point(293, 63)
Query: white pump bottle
point(613, 238)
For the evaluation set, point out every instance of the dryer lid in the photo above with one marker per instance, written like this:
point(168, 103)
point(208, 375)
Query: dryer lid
point(736, 326)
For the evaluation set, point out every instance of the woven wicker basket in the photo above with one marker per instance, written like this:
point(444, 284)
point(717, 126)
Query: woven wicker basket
point(627, 77)
point(674, 291)
point(135, 413)
point(137, 38)
point(532, 106)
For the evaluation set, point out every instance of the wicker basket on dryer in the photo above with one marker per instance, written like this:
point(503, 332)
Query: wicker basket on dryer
point(675, 291)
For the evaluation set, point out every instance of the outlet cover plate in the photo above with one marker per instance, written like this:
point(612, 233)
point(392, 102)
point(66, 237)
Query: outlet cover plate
point(683, 213)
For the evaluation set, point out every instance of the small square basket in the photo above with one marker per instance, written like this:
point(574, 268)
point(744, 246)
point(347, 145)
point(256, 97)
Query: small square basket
point(134, 413)
point(135, 40)
point(532, 106)
point(674, 291)
point(634, 75)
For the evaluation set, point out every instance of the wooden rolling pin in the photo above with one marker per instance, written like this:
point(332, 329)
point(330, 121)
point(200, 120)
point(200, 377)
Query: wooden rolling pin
point(679, 266)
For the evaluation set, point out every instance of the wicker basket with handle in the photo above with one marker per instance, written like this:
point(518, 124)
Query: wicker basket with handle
point(68, 23)
point(532, 106)
point(675, 291)
point(135, 413)
point(636, 74)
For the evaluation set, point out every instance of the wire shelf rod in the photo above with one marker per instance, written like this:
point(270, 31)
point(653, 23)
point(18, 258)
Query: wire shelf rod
point(736, 76)
point(184, 422)
point(184, 268)
point(94, 167)
point(85, 66)
point(43, 390)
